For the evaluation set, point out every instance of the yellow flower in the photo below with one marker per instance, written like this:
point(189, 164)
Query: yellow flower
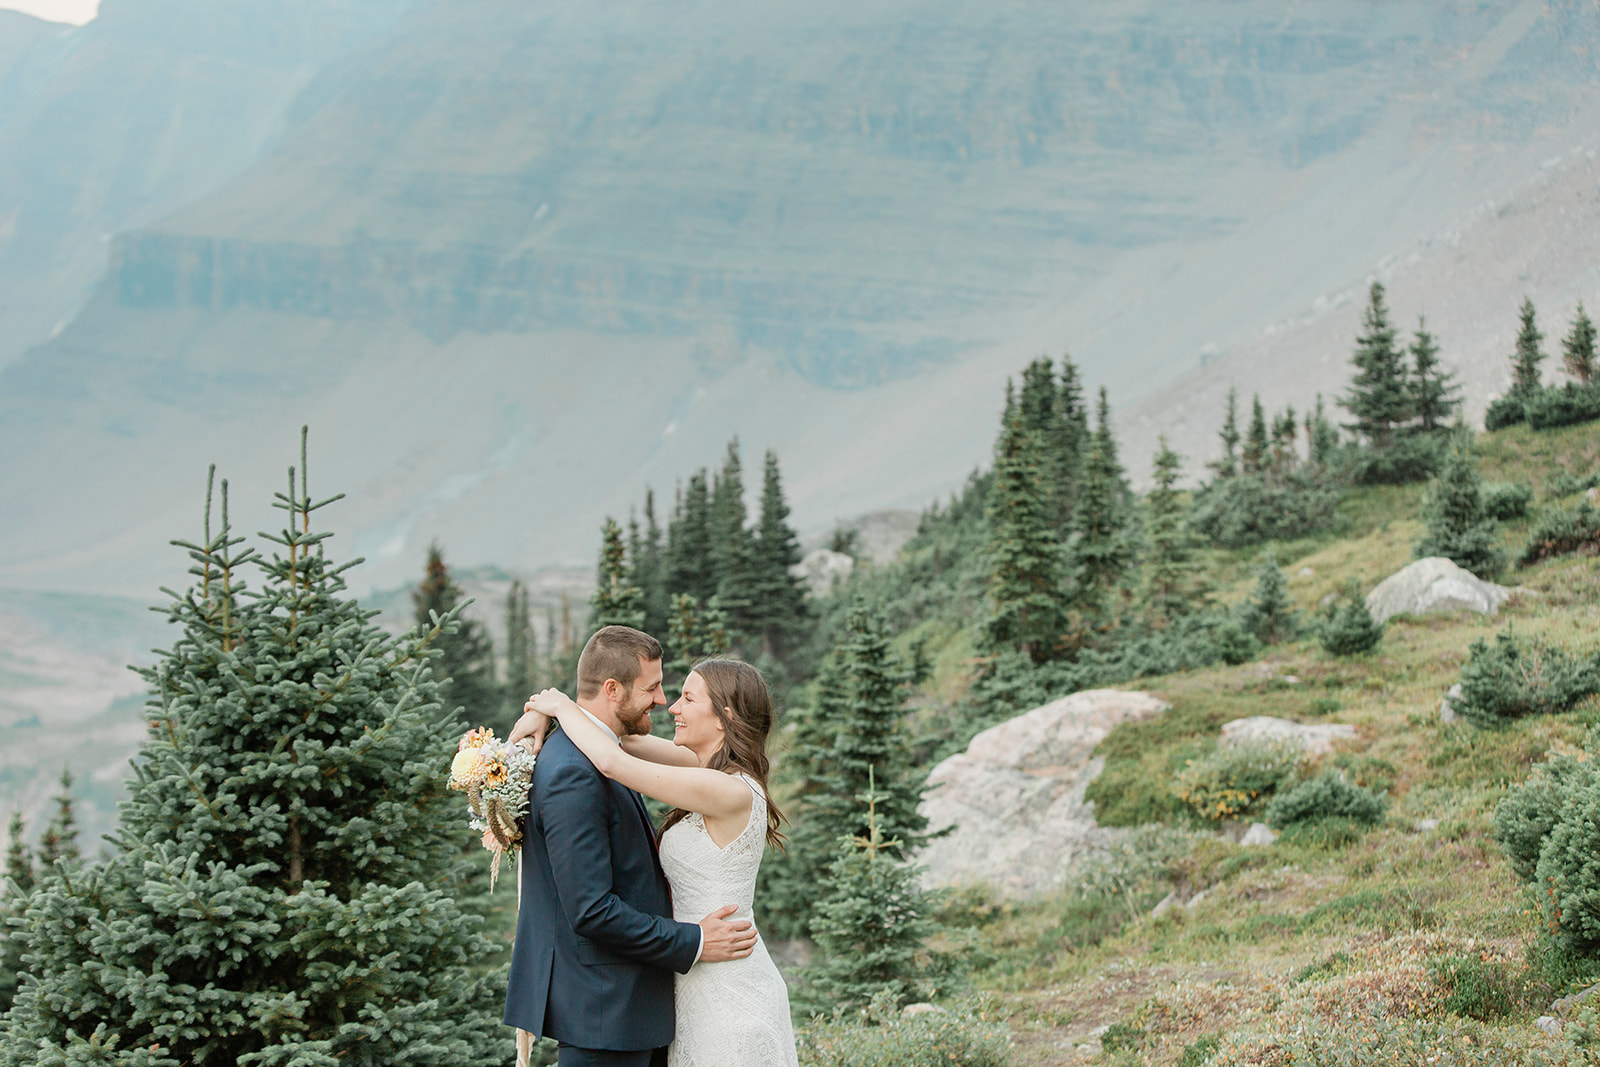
point(467, 767)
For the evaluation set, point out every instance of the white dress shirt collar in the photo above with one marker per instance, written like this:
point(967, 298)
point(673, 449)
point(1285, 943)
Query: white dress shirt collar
point(600, 723)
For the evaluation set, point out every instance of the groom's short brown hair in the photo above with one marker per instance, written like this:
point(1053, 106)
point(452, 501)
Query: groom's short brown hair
point(614, 652)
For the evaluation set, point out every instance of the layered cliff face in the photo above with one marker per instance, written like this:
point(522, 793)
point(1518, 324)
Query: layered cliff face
point(859, 188)
point(497, 230)
point(115, 123)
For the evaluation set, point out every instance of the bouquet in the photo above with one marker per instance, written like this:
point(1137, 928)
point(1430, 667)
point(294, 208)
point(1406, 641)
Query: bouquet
point(495, 776)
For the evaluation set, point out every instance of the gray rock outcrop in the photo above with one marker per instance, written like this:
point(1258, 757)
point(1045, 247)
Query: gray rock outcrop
point(1314, 740)
point(1015, 798)
point(1434, 584)
point(1447, 704)
point(1259, 835)
point(821, 567)
point(1568, 1006)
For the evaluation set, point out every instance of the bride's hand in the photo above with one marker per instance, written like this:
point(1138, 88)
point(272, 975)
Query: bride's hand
point(530, 730)
point(550, 702)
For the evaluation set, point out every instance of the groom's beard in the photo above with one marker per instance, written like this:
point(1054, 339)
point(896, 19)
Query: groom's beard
point(636, 722)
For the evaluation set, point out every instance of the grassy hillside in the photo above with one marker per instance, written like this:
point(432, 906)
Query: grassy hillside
point(1387, 947)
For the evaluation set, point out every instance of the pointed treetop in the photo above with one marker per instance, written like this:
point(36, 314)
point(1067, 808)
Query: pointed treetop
point(1578, 349)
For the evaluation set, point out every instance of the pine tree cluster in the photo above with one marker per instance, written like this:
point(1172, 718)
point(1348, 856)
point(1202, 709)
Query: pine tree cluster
point(1397, 405)
point(711, 582)
point(848, 741)
point(279, 888)
point(1528, 399)
point(1265, 491)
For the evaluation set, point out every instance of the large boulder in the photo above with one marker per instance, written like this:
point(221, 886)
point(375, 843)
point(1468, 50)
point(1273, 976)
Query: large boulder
point(1014, 799)
point(1313, 740)
point(1434, 584)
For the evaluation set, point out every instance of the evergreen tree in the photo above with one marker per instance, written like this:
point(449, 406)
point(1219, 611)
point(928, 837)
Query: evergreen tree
point(1103, 550)
point(1379, 398)
point(1347, 628)
point(1255, 439)
point(1171, 569)
point(1283, 459)
point(616, 600)
point(1269, 615)
point(1228, 465)
point(466, 657)
point(1436, 396)
point(1027, 561)
point(689, 564)
point(1459, 525)
point(521, 650)
point(1577, 348)
point(279, 888)
point(60, 838)
point(1321, 438)
point(1067, 442)
point(19, 861)
point(694, 633)
point(850, 731)
point(779, 597)
point(649, 573)
point(870, 928)
point(1525, 377)
point(14, 894)
point(731, 550)
point(1039, 408)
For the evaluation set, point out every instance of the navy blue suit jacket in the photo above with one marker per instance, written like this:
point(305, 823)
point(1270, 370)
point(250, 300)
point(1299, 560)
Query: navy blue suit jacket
point(596, 942)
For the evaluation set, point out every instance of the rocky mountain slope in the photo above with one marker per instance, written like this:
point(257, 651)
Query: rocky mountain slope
point(515, 263)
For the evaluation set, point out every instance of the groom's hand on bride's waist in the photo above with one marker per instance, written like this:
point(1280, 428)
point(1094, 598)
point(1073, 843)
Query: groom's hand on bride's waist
point(722, 939)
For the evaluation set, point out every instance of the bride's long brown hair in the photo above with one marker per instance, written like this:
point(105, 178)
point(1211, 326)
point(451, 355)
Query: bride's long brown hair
point(743, 706)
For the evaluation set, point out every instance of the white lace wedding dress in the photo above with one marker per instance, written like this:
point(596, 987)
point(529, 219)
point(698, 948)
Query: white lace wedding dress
point(734, 1013)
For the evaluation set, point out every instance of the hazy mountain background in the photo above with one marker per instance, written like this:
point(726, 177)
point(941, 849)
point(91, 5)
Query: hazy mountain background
point(514, 262)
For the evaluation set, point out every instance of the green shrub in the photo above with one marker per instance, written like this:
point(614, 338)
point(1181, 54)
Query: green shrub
point(1236, 645)
point(1328, 796)
point(1250, 509)
point(1408, 459)
point(1200, 1050)
point(1347, 628)
point(1558, 969)
point(1326, 967)
point(1122, 1035)
point(1506, 501)
point(968, 1034)
point(1504, 411)
point(1269, 615)
point(1563, 531)
point(1516, 677)
point(1525, 815)
point(1566, 406)
point(1567, 877)
point(1567, 484)
point(1235, 781)
point(1477, 988)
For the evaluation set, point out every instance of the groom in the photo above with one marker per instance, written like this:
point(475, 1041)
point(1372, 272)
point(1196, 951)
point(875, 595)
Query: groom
point(596, 942)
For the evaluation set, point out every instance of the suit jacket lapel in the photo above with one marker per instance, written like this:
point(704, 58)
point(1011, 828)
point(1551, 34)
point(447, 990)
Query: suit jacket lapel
point(644, 817)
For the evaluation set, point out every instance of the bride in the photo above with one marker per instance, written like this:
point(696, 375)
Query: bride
point(714, 773)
